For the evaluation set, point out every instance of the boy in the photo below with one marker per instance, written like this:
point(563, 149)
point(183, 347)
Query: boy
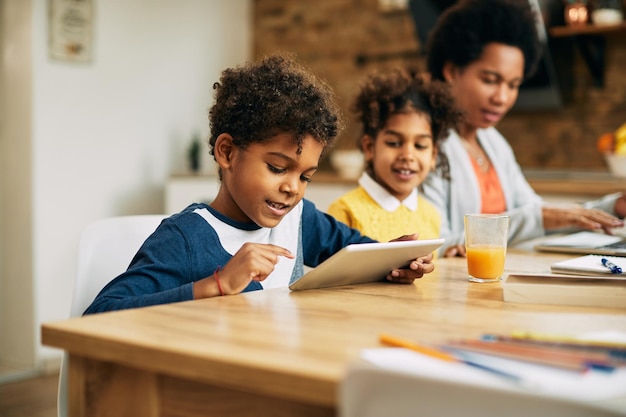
point(271, 123)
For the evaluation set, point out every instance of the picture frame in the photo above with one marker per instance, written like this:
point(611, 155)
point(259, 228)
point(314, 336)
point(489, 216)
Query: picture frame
point(70, 30)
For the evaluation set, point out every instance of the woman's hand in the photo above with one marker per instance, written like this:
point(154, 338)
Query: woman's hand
point(577, 216)
point(456, 250)
point(620, 206)
point(416, 269)
point(252, 262)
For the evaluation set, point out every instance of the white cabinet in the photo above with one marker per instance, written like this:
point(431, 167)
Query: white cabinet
point(182, 190)
point(322, 194)
point(186, 189)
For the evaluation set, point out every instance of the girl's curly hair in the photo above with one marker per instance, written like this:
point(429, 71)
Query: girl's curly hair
point(463, 31)
point(403, 91)
point(257, 101)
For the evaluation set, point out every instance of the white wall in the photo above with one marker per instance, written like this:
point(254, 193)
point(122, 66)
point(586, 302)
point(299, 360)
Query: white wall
point(106, 135)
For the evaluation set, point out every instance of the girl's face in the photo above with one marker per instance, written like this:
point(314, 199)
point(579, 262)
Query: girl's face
point(402, 154)
point(265, 181)
point(486, 89)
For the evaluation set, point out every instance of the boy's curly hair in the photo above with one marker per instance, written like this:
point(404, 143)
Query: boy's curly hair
point(463, 30)
point(403, 91)
point(257, 101)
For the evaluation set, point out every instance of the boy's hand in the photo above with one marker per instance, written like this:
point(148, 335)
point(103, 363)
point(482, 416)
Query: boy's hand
point(254, 261)
point(416, 269)
point(412, 236)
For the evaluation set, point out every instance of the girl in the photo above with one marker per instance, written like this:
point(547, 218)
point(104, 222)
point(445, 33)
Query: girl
point(404, 118)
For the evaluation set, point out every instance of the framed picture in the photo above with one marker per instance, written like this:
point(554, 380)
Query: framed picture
point(70, 30)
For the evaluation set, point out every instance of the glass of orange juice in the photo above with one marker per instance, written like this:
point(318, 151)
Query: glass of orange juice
point(486, 236)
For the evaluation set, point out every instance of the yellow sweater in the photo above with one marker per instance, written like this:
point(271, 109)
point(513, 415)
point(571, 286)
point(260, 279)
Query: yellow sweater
point(358, 210)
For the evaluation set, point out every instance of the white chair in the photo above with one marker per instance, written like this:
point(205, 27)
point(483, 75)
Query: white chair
point(370, 391)
point(105, 250)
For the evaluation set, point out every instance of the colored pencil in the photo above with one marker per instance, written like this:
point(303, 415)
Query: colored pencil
point(566, 340)
point(439, 354)
point(542, 355)
point(424, 350)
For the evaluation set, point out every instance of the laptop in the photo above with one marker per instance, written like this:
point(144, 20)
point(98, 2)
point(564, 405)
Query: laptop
point(364, 262)
point(595, 243)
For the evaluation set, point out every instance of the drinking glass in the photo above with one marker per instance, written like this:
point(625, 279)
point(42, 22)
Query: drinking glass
point(486, 236)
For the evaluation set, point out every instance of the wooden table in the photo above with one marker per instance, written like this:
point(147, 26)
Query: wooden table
point(284, 354)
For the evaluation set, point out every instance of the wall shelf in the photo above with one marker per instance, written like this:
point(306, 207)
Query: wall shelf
point(560, 31)
point(591, 41)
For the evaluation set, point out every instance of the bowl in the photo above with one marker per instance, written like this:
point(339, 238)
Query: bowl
point(617, 164)
point(347, 162)
point(607, 17)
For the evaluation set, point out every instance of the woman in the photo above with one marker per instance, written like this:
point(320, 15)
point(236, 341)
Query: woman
point(484, 49)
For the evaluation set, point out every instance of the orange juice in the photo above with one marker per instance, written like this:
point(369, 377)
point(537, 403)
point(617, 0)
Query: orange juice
point(485, 261)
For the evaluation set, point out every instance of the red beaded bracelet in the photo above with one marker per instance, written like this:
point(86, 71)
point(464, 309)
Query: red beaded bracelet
point(217, 280)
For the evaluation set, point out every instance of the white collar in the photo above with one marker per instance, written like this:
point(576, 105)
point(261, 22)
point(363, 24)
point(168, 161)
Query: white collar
point(380, 195)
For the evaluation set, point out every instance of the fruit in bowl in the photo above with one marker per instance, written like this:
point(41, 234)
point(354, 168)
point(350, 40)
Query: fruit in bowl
point(617, 164)
point(613, 146)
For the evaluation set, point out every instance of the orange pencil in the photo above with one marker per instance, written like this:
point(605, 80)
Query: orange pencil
point(425, 350)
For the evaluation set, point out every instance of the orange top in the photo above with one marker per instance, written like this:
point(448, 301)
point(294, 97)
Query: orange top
point(492, 196)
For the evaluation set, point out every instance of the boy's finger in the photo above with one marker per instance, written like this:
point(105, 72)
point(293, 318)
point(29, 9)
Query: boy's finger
point(279, 250)
point(412, 236)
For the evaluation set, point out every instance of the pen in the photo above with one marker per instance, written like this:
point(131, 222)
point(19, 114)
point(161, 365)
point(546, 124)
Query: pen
point(614, 268)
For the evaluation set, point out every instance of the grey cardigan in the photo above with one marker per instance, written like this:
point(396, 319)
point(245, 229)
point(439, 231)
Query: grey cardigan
point(460, 195)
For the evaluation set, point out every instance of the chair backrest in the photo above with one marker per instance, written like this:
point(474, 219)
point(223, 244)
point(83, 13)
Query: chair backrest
point(105, 250)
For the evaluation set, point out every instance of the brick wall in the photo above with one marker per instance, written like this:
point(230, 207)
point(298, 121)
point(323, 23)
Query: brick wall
point(343, 40)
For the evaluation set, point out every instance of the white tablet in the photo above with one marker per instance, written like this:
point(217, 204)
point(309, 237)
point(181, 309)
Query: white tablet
point(364, 262)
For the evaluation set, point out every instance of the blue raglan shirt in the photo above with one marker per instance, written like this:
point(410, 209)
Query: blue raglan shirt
point(185, 248)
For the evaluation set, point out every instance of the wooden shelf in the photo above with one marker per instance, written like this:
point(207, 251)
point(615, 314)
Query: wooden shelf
point(590, 29)
point(591, 41)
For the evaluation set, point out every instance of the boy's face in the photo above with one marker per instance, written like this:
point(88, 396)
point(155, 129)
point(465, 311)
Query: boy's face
point(402, 154)
point(265, 181)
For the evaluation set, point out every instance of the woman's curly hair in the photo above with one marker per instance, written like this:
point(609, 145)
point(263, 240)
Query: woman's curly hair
point(403, 91)
point(257, 101)
point(463, 31)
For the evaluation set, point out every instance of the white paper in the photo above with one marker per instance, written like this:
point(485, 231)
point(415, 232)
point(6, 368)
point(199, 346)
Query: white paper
point(612, 336)
point(590, 265)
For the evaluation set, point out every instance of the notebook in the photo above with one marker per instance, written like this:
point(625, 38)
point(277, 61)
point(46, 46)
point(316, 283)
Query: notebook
point(591, 265)
point(581, 281)
point(364, 262)
point(585, 242)
point(560, 289)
